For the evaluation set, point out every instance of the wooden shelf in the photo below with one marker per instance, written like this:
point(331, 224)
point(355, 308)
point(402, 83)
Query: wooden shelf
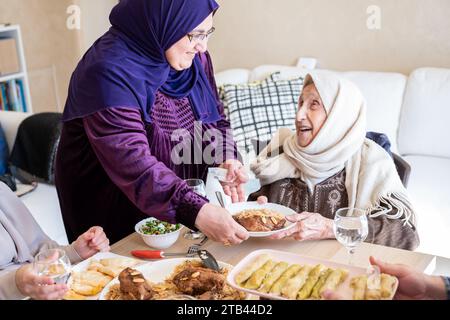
point(13, 31)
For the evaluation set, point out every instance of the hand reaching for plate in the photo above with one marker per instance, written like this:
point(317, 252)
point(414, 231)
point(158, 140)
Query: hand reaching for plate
point(309, 226)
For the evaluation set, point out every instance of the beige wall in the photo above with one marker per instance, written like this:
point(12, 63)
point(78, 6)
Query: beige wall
point(414, 33)
point(95, 20)
point(52, 51)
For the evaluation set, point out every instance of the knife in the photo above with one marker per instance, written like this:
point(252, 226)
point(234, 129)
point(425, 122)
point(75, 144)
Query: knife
point(220, 199)
point(155, 254)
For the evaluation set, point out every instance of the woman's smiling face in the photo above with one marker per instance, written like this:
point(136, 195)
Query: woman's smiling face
point(181, 55)
point(311, 115)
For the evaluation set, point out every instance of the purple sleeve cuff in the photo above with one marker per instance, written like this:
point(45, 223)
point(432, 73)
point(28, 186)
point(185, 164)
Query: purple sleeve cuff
point(188, 209)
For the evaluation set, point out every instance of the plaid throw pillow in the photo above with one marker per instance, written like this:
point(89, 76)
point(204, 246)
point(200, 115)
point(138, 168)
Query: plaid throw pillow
point(257, 110)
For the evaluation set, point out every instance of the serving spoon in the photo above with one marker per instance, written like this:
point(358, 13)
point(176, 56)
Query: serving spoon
point(208, 260)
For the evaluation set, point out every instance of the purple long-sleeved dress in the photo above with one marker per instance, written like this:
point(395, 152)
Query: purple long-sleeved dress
point(113, 170)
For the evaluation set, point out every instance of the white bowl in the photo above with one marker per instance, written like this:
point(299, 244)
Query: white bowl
point(158, 241)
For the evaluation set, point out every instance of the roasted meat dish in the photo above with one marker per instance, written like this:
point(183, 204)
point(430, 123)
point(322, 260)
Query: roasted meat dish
point(133, 285)
point(260, 220)
point(196, 281)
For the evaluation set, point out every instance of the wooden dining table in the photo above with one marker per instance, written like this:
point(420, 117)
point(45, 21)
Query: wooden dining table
point(329, 250)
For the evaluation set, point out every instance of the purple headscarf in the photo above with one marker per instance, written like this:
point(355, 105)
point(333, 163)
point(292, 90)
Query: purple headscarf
point(127, 65)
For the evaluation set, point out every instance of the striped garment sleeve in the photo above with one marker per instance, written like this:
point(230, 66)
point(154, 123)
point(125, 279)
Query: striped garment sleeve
point(447, 286)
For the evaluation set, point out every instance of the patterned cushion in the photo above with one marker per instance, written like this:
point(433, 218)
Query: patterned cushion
point(257, 110)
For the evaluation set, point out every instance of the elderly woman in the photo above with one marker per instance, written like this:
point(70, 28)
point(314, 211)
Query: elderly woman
point(142, 90)
point(21, 239)
point(328, 164)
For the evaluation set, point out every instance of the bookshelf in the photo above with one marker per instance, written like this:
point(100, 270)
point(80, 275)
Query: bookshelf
point(20, 78)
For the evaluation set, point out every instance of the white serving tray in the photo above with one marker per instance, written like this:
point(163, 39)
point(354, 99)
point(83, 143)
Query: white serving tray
point(344, 289)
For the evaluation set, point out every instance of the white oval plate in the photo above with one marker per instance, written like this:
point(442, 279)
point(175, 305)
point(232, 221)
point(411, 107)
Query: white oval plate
point(238, 207)
point(159, 271)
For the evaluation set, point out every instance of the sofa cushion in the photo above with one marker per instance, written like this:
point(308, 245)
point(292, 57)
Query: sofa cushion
point(384, 95)
point(257, 110)
point(232, 76)
point(424, 125)
point(285, 72)
point(431, 202)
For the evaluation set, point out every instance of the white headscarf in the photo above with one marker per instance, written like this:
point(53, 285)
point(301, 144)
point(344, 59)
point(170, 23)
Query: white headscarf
point(372, 181)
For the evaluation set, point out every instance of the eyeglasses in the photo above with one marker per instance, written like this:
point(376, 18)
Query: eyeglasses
point(197, 37)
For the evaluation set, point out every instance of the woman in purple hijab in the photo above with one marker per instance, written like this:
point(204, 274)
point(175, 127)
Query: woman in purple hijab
point(141, 98)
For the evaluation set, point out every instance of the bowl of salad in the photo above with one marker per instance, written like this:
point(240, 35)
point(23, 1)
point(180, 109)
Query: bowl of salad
point(158, 234)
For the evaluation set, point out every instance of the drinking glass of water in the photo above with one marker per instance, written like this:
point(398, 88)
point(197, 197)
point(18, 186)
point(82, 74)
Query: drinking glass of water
point(198, 186)
point(350, 228)
point(53, 263)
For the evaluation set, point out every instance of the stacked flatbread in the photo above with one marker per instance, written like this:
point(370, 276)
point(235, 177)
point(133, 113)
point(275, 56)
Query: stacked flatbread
point(293, 281)
point(99, 273)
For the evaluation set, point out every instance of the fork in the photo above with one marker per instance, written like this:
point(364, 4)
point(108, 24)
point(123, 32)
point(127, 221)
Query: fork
point(192, 251)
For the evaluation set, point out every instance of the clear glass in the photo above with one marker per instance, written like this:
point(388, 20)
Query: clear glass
point(198, 186)
point(53, 263)
point(350, 227)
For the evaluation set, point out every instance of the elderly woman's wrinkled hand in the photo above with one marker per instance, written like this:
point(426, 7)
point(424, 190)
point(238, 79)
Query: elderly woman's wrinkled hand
point(38, 287)
point(238, 177)
point(308, 226)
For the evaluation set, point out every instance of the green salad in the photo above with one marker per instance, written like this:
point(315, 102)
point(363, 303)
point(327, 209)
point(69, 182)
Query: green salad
point(154, 227)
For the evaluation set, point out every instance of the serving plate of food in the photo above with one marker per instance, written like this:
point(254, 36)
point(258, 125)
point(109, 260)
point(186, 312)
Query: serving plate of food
point(261, 220)
point(282, 275)
point(89, 277)
point(171, 279)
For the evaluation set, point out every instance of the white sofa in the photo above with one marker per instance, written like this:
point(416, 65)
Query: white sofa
point(414, 112)
point(43, 201)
